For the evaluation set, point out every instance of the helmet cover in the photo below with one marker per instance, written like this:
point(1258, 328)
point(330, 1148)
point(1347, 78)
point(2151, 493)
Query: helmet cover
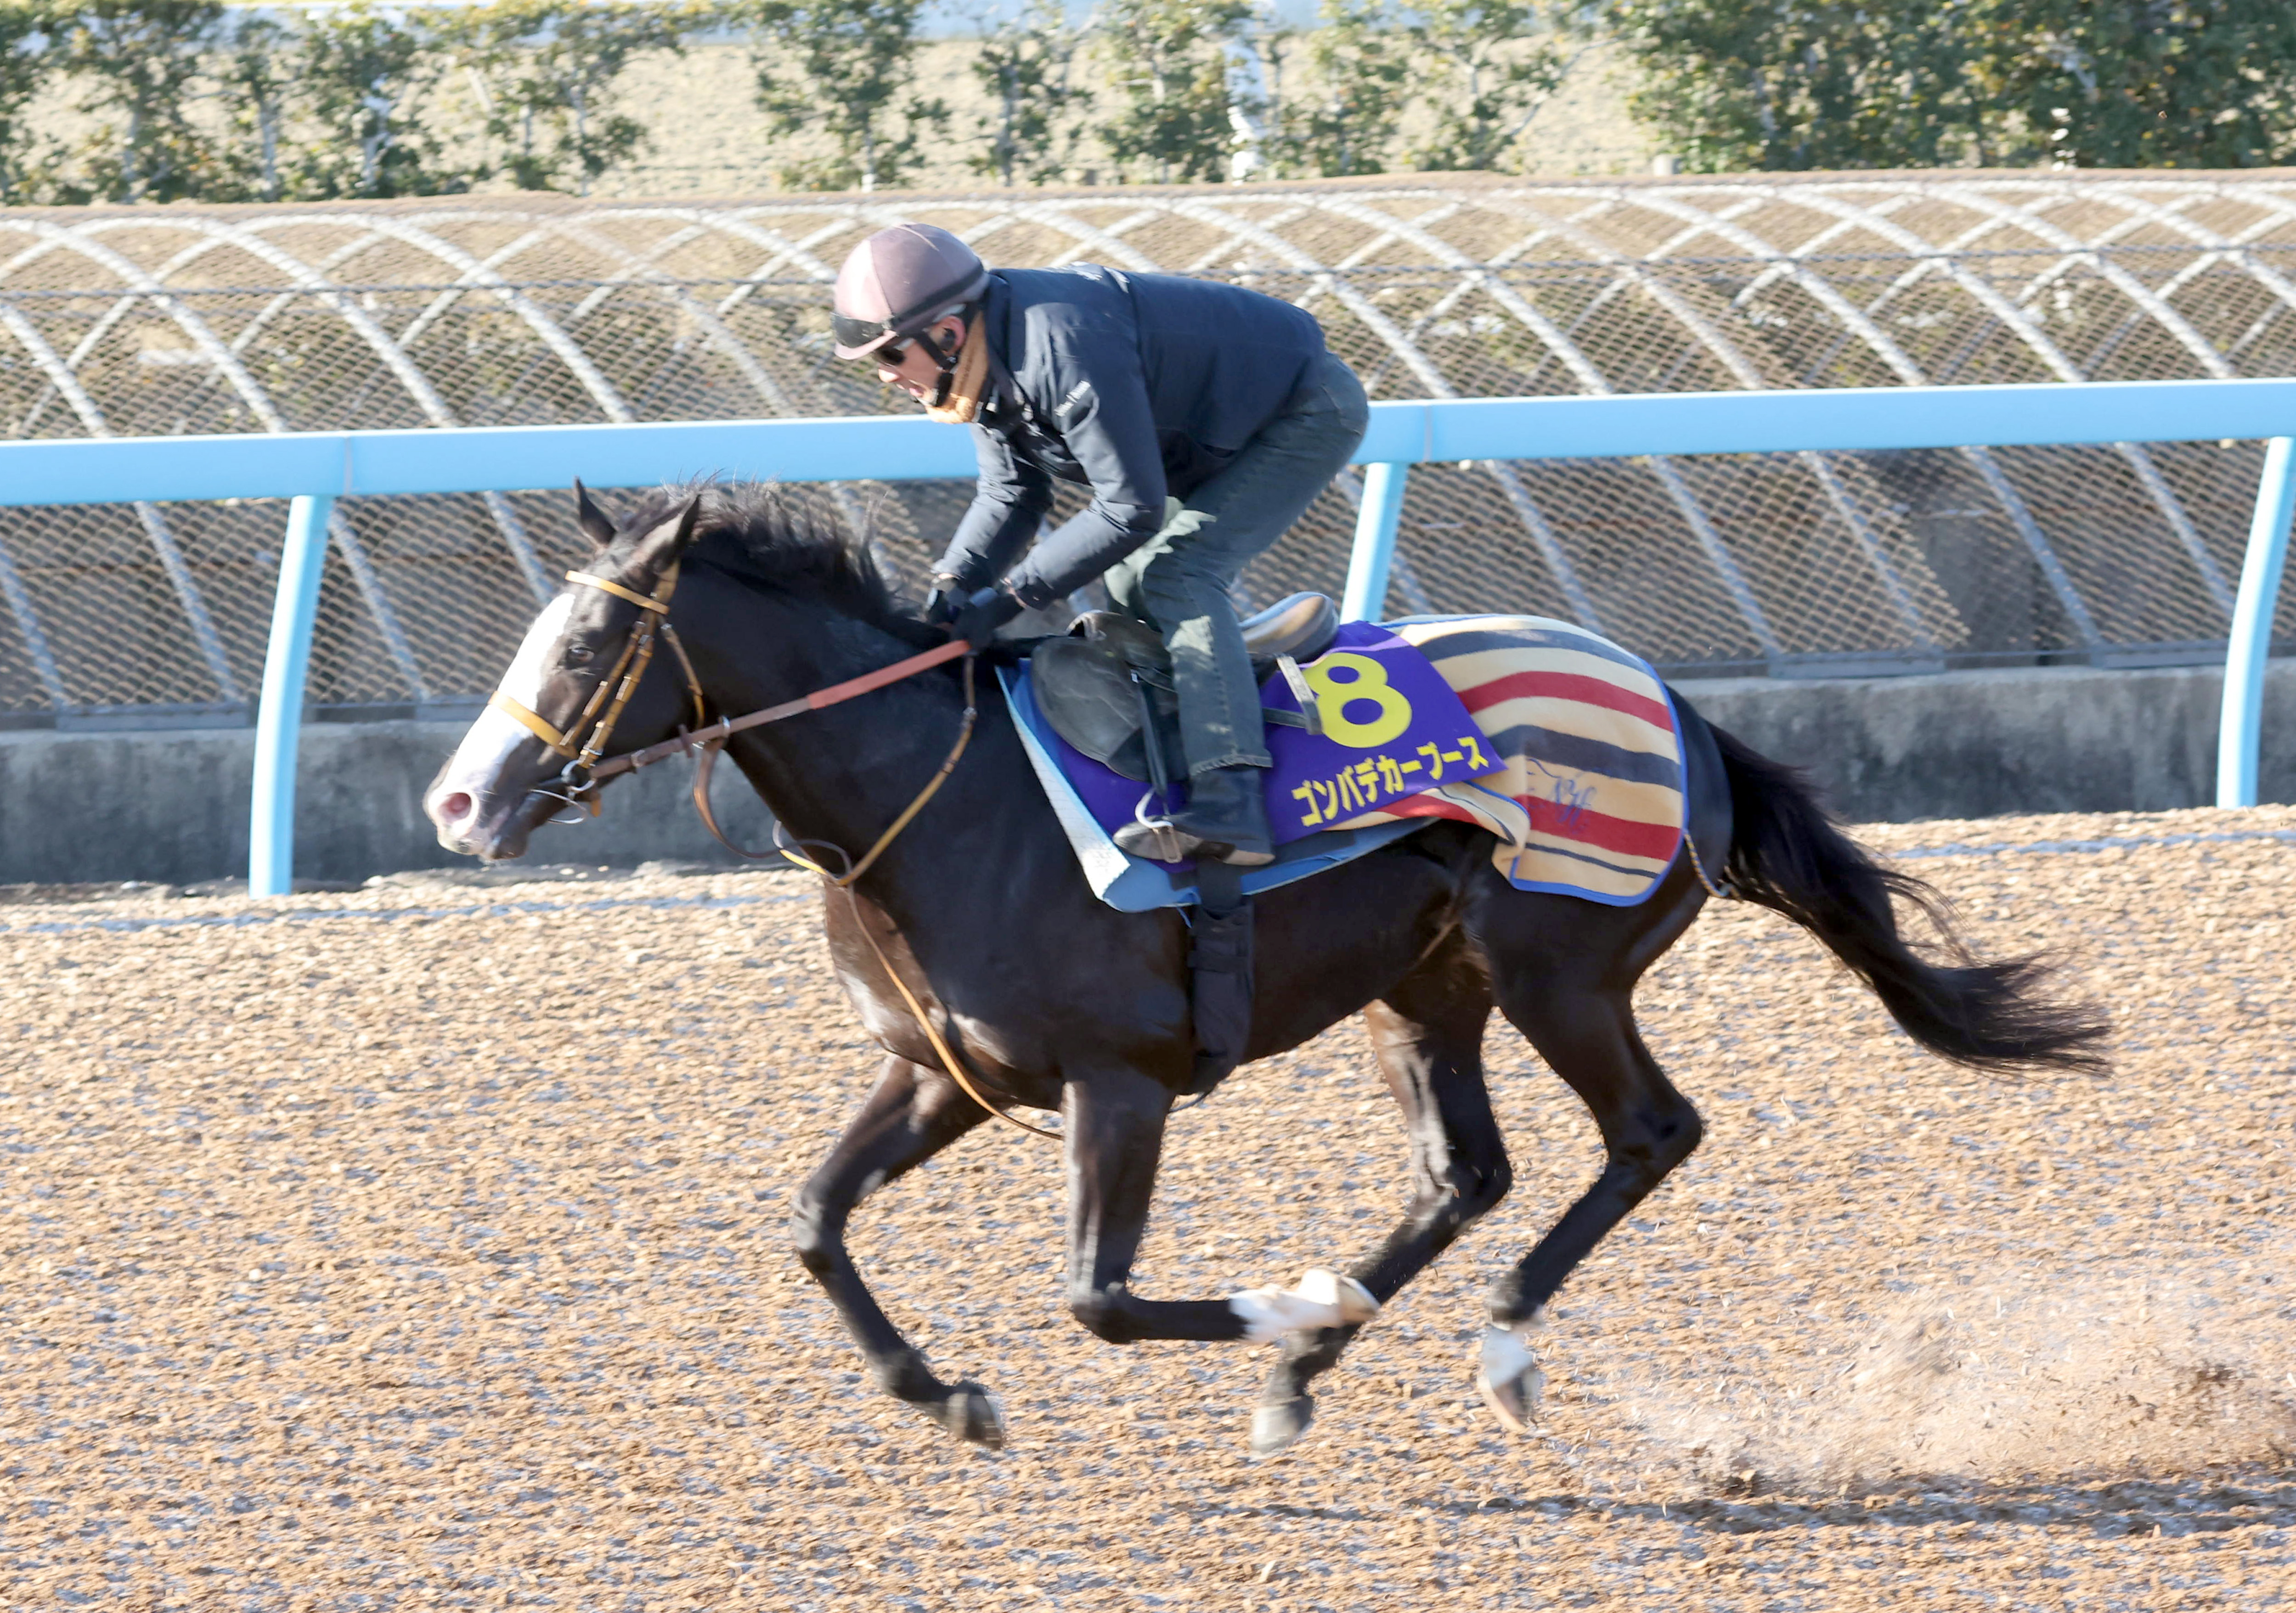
point(899, 281)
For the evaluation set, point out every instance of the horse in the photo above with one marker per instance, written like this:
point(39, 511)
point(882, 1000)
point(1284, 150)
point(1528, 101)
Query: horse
point(990, 976)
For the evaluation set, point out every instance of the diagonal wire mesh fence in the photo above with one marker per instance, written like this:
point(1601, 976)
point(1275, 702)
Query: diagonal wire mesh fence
point(487, 311)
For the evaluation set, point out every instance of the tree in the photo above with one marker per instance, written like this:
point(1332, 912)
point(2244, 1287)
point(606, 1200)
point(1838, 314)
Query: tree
point(261, 76)
point(139, 61)
point(1169, 63)
point(1488, 71)
point(365, 77)
point(2143, 82)
point(840, 68)
point(1023, 65)
point(549, 70)
point(1362, 71)
point(27, 61)
point(1757, 84)
point(1740, 84)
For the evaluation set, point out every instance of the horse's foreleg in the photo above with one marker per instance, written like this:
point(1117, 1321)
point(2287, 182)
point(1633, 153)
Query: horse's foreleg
point(1115, 1138)
point(1428, 1034)
point(911, 1115)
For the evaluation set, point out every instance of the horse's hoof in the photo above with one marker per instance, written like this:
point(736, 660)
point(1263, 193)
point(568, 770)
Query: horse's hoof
point(971, 1413)
point(1279, 1427)
point(1508, 1379)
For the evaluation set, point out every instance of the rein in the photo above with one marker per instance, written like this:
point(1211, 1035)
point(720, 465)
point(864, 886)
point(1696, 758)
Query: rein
point(585, 771)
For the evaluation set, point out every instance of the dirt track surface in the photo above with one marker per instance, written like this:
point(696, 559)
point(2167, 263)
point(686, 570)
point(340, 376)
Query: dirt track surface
point(422, 1247)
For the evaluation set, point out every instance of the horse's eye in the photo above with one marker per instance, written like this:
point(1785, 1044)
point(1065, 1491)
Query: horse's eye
point(579, 654)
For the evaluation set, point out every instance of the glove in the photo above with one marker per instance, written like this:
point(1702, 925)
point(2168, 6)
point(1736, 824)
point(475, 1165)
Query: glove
point(946, 599)
point(983, 614)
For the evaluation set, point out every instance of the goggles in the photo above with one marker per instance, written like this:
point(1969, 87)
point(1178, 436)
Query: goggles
point(853, 332)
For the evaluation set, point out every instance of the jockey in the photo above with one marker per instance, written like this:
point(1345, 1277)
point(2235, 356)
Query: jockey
point(1203, 417)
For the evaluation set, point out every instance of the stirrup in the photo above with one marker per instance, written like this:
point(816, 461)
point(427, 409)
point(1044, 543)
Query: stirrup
point(1158, 838)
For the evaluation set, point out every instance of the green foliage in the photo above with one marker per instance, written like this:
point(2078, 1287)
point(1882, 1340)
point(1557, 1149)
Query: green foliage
point(1363, 66)
point(549, 68)
point(1740, 84)
point(189, 99)
point(260, 79)
point(1168, 65)
point(364, 76)
point(26, 64)
point(1023, 65)
point(843, 67)
point(1487, 68)
point(138, 62)
point(2144, 83)
point(1757, 84)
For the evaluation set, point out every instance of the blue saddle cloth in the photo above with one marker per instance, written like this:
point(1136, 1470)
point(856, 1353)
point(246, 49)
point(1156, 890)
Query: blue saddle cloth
point(1134, 884)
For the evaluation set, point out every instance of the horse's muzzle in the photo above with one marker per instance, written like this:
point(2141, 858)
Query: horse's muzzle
point(494, 831)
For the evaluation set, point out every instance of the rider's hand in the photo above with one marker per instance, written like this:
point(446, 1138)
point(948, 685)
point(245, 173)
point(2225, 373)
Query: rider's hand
point(983, 614)
point(946, 599)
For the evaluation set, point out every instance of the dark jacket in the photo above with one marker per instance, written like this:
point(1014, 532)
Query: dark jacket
point(1136, 385)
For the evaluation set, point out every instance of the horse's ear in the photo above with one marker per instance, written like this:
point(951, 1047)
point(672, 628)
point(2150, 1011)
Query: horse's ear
point(597, 525)
point(663, 544)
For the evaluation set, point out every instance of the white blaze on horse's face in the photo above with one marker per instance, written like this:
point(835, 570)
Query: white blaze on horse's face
point(458, 798)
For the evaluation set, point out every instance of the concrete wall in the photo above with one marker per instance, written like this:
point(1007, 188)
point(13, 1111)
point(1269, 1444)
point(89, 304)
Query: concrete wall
point(1978, 744)
point(172, 807)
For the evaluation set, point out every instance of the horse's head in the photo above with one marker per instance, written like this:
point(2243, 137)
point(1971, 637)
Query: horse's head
point(585, 684)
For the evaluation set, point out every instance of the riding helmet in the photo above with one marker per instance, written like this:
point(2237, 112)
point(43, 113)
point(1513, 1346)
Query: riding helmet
point(898, 282)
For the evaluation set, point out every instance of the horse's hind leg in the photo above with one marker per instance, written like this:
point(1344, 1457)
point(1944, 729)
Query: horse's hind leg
point(1566, 980)
point(911, 1115)
point(1427, 1034)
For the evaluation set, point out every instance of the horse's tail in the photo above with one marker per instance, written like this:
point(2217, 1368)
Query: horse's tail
point(1787, 854)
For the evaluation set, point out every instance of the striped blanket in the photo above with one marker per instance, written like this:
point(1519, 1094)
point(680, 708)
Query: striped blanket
point(1590, 800)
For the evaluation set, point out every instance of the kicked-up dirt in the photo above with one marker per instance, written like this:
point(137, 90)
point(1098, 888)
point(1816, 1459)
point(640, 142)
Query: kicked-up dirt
point(422, 1247)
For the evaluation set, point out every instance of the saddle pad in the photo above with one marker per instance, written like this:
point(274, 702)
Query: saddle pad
point(1561, 744)
point(1587, 799)
point(1133, 884)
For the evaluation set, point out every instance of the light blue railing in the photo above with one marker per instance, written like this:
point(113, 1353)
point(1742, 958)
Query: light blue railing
point(315, 468)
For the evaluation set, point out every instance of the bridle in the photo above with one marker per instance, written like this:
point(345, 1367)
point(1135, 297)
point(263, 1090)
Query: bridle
point(585, 738)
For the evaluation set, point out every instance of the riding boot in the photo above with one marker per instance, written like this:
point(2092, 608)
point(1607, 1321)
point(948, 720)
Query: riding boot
point(1226, 820)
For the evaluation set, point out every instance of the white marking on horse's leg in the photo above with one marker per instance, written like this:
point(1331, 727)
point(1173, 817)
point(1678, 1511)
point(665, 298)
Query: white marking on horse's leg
point(1321, 1299)
point(1507, 1374)
point(479, 759)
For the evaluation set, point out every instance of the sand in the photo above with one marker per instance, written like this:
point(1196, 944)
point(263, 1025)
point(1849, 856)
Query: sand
point(422, 1247)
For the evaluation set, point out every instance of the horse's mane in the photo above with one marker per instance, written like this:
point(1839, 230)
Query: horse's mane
point(765, 533)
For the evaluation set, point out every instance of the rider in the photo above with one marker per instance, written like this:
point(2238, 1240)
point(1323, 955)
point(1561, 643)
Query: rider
point(1204, 418)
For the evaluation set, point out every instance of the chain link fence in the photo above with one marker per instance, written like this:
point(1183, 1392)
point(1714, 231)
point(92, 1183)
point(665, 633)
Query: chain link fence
point(492, 311)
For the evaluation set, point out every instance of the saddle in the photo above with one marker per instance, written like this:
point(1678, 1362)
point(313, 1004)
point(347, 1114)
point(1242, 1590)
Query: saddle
point(1107, 690)
point(1108, 685)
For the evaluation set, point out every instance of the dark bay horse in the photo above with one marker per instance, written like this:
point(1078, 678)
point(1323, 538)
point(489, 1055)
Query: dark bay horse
point(1055, 1000)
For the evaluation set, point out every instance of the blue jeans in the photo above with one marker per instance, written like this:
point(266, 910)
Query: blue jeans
point(1179, 585)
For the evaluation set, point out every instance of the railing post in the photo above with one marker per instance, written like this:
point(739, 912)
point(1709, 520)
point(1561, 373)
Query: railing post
point(2238, 728)
point(279, 720)
point(1374, 548)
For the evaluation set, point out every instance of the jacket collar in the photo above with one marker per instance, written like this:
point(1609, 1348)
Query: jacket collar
point(1003, 393)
